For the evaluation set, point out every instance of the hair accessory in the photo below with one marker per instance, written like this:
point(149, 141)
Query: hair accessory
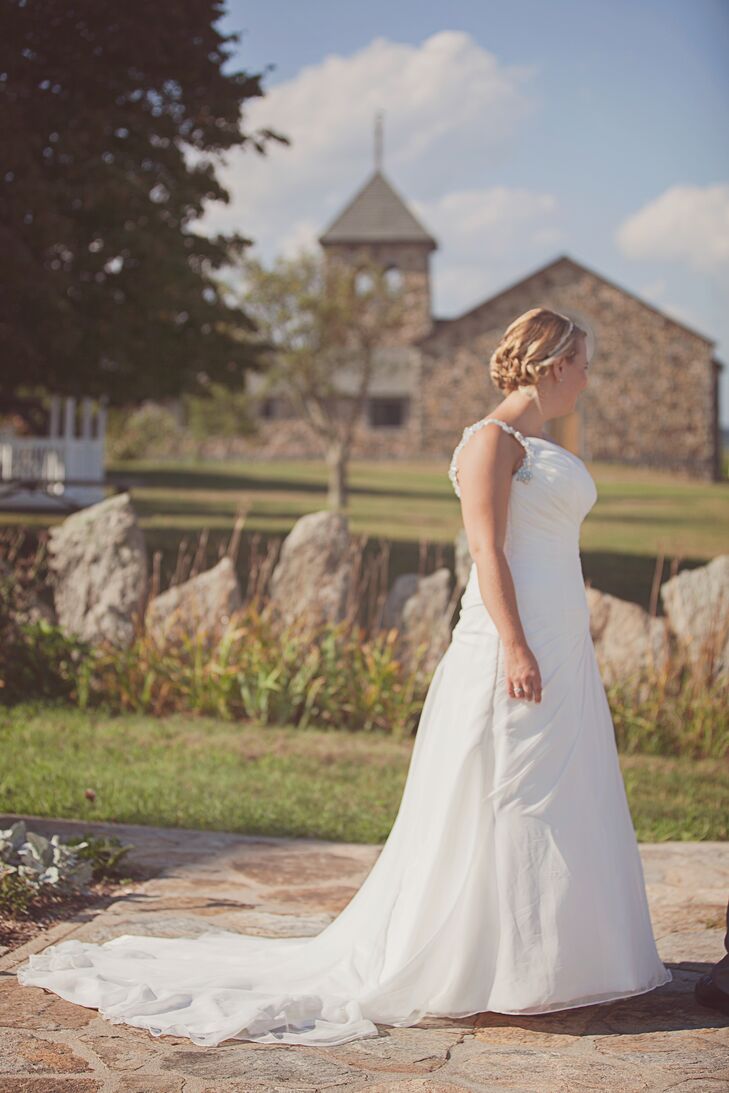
point(563, 340)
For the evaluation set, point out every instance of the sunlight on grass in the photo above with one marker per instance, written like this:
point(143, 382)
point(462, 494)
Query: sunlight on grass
point(638, 511)
point(214, 775)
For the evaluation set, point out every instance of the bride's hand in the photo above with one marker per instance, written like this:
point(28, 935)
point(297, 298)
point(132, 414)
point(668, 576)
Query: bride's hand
point(523, 679)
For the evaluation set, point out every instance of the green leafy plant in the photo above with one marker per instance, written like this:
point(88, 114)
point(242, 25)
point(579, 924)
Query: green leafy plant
point(16, 893)
point(43, 862)
point(103, 852)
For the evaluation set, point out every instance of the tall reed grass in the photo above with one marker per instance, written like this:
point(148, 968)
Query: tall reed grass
point(350, 675)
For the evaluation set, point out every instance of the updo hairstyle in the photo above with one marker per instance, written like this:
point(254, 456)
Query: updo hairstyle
point(530, 346)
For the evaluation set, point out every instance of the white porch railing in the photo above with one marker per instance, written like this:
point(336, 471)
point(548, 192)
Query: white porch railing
point(62, 470)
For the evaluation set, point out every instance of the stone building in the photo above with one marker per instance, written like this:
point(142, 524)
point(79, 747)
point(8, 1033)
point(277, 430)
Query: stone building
point(653, 395)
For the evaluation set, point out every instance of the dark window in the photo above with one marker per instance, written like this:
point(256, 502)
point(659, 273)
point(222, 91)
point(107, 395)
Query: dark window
point(275, 408)
point(387, 411)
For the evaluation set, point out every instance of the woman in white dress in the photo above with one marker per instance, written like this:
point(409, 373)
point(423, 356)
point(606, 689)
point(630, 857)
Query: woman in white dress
point(511, 879)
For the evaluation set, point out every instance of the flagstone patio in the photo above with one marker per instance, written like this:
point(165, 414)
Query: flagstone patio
point(659, 1041)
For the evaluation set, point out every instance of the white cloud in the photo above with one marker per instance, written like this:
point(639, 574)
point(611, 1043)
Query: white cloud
point(452, 114)
point(494, 220)
point(450, 108)
point(490, 237)
point(688, 224)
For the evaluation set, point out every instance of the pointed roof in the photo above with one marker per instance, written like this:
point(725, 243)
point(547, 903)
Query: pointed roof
point(563, 261)
point(377, 214)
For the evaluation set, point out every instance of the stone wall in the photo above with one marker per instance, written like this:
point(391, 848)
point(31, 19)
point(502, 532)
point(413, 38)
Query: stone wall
point(650, 397)
point(412, 260)
point(651, 400)
point(290, 438)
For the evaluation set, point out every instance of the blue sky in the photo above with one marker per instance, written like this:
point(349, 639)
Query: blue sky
point(517, 131)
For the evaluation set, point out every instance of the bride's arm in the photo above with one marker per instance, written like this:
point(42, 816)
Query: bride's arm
point(485, 466)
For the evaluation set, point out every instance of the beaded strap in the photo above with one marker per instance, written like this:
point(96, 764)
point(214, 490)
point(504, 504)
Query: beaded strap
point(524, 472)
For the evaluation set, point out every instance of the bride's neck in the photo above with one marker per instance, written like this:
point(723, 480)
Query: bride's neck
point(530, 414)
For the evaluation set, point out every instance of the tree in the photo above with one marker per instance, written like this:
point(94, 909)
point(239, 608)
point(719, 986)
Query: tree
point(325, 327)
point(113, 117)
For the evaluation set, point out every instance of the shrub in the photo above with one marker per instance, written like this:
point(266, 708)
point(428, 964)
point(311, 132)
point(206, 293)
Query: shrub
point(104, 853)
point(36, 657)
point(143, 432)
point(339, 678)
point(41, 862)
point(33, 866)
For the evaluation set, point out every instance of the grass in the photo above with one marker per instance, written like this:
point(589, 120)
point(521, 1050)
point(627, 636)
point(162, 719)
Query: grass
point(211, 774)
point(639, 514)
point(637, 510)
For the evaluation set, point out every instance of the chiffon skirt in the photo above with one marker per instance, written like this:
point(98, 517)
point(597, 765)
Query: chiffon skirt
point(510, 881)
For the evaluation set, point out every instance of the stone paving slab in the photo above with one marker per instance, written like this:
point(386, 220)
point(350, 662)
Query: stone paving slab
point(659, 1041)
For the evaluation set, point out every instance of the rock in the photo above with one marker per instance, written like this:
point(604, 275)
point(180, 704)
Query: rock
point(696, 602)
point(464, 561)
point(405, 586)
point(419, 608)
point(409, 1050)
point(99, 566)
point(28, 1053)
point(202, 605)
point(628, 641)
point(28, 1008)
point(264, 1071)
point(313, 575)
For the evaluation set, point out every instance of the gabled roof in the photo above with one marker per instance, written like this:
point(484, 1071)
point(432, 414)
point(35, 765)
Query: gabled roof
point(563, 259)
point(377, 214)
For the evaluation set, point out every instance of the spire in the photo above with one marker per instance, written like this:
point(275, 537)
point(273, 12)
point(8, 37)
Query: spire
point(377, 213)
point(378, 140)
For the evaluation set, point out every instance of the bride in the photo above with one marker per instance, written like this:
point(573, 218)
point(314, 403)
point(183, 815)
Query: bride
point(510, 880)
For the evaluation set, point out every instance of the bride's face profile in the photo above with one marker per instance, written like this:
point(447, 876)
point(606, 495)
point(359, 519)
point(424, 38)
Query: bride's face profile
point(570, 374)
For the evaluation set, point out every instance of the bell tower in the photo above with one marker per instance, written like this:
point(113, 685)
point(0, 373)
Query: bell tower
point(378, 227)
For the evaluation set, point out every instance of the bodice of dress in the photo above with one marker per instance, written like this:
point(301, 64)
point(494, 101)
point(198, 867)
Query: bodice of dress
point(558, 489)
point(523, 472)
point(552, 491)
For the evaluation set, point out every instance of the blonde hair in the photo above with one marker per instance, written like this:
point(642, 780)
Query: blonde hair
point(530, 346)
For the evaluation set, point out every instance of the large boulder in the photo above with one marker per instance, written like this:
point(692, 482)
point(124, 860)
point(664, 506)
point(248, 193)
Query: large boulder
point(313, 575)
point(202, 605)
point(696, 602)
point(420, 608)
point(405, 586)
point(99, 569)
point(629, 642)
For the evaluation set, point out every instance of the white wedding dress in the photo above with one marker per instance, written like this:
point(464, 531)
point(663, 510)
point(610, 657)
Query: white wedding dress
point(510, 880)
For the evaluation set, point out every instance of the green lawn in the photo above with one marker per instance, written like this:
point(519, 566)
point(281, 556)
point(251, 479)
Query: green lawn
point(205, 773)
point(638, 513)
